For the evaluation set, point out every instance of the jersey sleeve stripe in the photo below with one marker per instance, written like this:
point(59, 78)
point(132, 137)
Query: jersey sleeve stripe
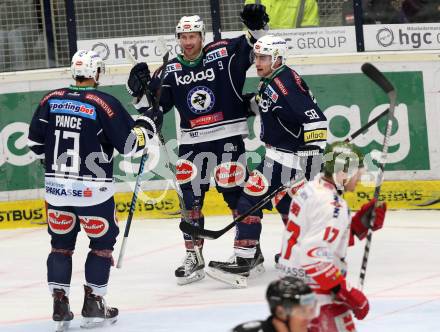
point(33, 143)
point(315, 125)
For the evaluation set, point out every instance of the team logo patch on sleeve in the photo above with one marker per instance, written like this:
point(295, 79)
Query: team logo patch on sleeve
point(72, 107)
point(315, 135)
point(257, 184)
point(216, 54)
point(173, 67)
point(60, 222)
point(229, 174)
point(200, 100)
point(186, 171)
point(94, 226)
point(271, 93)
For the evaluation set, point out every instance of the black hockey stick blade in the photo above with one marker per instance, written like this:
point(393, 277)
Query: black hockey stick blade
point(429, 203)
point(196, 232)
point(375, 75)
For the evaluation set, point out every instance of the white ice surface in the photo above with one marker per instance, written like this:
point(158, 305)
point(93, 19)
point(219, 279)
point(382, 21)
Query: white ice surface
point(403, 279)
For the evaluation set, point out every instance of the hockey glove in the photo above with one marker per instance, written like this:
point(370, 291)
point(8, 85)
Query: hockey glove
point(361, 220)
point(254, 16)
point(354, 299)
point(137, 84)
point(251, 107)
point(151, 121)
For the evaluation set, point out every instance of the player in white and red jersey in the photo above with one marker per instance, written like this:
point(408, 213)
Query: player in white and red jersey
point(318, 232)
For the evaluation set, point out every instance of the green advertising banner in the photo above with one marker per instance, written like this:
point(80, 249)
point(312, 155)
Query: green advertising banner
point(348, 100)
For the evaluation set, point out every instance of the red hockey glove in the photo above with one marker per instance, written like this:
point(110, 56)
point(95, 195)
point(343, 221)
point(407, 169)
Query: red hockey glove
point(360, 221)
point(354, 299)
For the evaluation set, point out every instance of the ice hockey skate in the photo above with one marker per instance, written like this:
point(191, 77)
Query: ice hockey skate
point(95, 311)
point(192, 268)
point(61, 310)
point(237, 270)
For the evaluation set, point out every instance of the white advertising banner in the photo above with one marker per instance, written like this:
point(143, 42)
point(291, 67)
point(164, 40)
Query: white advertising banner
point(400, 37)
point(114, 50)
point(299, 41)
point(322, 40)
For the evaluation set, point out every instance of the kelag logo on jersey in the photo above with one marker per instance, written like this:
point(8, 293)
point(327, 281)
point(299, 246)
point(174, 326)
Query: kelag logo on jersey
point(200, 99)
point(216, 54)
point(271, 93)
point(72, 107)
point(208, 75)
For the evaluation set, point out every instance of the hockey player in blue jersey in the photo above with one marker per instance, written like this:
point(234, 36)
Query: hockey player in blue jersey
point(204, 84)
point(74, 131)
point(294, 131)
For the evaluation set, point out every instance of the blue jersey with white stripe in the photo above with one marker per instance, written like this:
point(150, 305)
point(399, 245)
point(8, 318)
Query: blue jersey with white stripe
point(290, 116)
point(75, 130)
point(207, 91)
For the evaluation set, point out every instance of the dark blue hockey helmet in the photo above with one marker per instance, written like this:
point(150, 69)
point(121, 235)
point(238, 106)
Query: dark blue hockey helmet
point(289, 292)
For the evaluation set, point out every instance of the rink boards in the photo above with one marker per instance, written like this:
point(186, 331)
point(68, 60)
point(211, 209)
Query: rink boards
point(347, 97)
point(412, 195)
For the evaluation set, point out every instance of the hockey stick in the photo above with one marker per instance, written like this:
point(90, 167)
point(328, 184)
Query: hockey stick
point(212, 235)
point(362, 129)
point(141, 170)
point(375, 75)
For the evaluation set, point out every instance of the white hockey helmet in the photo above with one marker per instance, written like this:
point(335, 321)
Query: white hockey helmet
point(86, 64)
point(272, 45)
point(190, 24)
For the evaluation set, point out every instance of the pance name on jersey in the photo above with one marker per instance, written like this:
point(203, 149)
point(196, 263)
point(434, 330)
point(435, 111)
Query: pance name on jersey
point(66, 121)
